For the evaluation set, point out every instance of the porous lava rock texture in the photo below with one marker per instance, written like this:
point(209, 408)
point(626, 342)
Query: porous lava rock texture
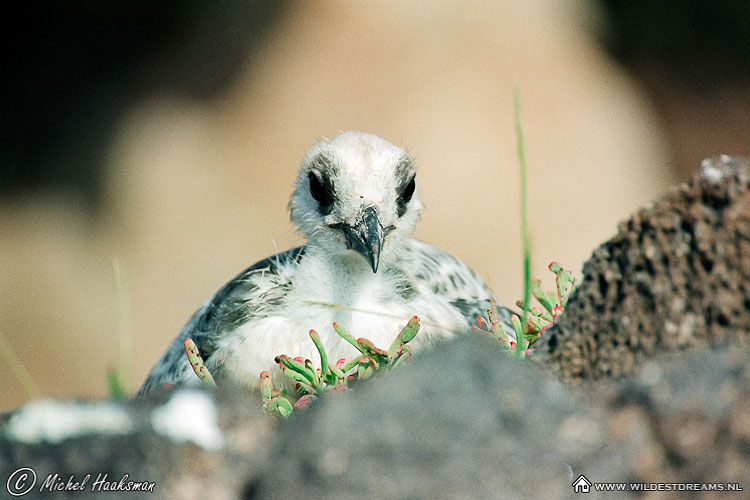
point(676, 274)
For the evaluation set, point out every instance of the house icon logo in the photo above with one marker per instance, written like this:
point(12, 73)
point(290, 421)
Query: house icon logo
point(581, 485)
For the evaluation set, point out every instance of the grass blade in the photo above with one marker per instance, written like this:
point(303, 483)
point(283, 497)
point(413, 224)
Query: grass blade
point(19, 369)
point(525, 242)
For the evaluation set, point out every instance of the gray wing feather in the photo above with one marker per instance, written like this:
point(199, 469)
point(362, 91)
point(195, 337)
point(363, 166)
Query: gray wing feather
point(449, 277)
point(228, 309)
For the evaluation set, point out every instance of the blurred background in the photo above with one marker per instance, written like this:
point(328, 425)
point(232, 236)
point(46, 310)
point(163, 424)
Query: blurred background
point(163, 138)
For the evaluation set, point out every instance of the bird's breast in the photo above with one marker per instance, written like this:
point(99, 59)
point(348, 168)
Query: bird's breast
point(369, 305)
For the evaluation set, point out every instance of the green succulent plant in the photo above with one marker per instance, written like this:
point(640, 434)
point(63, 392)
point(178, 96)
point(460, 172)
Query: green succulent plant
point(311, 382)
point(539, 318)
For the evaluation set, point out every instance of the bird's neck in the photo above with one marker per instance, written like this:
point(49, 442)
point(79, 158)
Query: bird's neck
point(349, 262)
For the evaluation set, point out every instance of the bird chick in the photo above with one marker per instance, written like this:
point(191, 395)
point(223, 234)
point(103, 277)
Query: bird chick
point(356, 202)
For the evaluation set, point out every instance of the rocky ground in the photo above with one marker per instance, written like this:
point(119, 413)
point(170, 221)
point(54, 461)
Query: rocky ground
point(645, 379)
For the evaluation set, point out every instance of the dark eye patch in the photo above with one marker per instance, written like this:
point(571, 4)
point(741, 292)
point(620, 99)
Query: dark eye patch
point(321, 190)
point(405, 196)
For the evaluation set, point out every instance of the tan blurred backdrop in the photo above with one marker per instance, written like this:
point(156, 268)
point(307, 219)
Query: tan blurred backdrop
point(196, 192)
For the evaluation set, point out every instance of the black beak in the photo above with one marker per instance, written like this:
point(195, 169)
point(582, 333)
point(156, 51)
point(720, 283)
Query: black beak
point(366, 236)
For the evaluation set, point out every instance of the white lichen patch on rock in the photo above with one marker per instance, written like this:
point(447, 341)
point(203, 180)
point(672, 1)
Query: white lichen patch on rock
point(710, 171)
point(189, 415)
point(55, 421)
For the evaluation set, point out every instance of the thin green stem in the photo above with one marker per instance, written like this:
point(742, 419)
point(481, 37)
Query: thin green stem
point(18, 368)
point(123, 316)
point(525, 242)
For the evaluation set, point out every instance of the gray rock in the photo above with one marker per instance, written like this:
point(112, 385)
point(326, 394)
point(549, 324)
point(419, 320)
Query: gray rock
point(663, 306)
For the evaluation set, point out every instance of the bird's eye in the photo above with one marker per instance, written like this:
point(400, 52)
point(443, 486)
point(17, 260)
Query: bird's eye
point(316, 188)
point(409, 190)
point(322, 192)
point(405, 196)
